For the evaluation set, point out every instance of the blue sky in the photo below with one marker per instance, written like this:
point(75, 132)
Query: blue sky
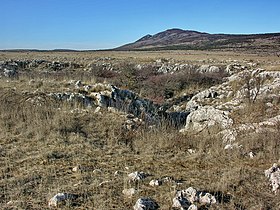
point(99, 24)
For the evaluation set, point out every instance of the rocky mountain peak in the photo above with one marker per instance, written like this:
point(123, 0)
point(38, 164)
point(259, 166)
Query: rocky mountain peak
point(176, 38)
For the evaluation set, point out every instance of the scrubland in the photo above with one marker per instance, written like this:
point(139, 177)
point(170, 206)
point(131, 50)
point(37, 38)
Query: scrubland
point(42, 139)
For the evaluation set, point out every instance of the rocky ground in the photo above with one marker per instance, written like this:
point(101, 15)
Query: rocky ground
point(120, 132)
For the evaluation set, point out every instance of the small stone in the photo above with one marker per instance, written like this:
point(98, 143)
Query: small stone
point(76, 169)
point(145, 204)
point(155, 182)
point(191, 151)
point(10, 203)
point(77, 184)
point(228, 146)
point(97, 110)
point(129, 192)
point(78, 84)
point(117, 173)
point(137, 176)
point(60, 198)
point(251, 154)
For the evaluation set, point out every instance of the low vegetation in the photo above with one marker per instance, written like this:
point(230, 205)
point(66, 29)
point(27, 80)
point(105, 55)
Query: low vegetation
point(42, 140)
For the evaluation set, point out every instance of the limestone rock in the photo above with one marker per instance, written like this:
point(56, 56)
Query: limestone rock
point(209, 93)
point(206, 198)
point(192, 207)
point(185, 198)
point(251, 154)
point(207, 117)
point(132, 123)
point(190, 194)
point(78, 84)
point(129, 192)
point(145, 204)
point(77, 169)
point(208, 69)
point(61, 198)
point(10, 73)
point(182, 203)
point(234, 68)
point(137, 176)
point(232, 146)
point(155, 182)
point(273, 174)
point(228, 135)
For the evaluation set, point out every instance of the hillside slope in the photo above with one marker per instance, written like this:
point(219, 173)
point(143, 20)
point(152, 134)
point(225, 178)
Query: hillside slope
point(186, 39)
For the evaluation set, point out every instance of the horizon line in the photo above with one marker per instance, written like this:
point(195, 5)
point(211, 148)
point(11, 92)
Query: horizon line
point(113, 48)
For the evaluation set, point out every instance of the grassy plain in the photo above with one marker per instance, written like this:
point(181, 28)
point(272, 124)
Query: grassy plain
point(39, 145)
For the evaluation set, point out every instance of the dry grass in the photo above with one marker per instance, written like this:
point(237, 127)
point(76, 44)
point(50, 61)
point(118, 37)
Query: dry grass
point(40, 143)
point(218, 57)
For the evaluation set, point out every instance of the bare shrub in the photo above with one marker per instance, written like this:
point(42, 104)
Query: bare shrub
point(162, 85)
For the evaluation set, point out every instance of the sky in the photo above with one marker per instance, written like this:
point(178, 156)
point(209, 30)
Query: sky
point(103, 24)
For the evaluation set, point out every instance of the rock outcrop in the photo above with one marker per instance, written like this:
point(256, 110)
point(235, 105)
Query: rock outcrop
point(111, 97)
point(211, 109)
point(25, 65)
point(207, 117)
point(273, 174)
point(189, 199)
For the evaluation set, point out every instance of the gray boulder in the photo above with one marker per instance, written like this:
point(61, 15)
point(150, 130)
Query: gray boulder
point(273, 174)
point(145, 204)
point(60, 198)
point(185, 199)
point(207, 117)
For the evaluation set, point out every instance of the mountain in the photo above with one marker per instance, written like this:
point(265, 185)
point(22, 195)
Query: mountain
point(38, 50)
point(194, 40)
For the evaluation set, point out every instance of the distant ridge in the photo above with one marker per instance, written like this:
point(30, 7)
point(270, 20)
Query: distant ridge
point(37, 50)
point(178, 39)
